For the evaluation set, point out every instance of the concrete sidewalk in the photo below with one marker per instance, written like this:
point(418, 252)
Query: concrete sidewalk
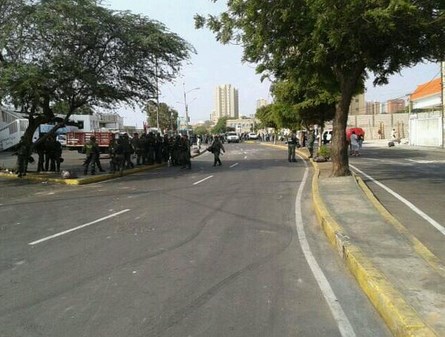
point(403, 280)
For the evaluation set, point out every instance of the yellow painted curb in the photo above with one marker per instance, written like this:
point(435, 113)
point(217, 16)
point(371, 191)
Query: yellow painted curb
point(399, 316)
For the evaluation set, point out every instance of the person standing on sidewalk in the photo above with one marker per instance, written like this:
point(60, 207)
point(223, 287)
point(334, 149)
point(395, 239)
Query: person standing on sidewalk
point(311, 142)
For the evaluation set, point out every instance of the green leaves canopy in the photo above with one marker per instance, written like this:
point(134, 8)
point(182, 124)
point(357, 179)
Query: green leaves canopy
point(77, 53)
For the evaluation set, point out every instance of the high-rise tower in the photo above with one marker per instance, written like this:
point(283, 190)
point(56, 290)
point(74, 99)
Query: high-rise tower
point(226, 102)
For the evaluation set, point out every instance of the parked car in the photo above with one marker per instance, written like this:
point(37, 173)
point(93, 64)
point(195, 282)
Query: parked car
point(232, 137)
point(253, 136)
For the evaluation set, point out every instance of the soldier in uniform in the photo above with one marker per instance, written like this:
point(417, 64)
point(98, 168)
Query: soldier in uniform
point(184, 150)
point(151, 148)
point(23, 153)
point(311, 142)
point(112, 152)
point(158, 148)
point(92, 152)
point(57, 154)
point(137, 145)
point(216, 149)
point(40, 150)
point(119, 157)
point(166, 148)
point(127, 150)
point(292, 143)
point(175, 150)
point(50, 153)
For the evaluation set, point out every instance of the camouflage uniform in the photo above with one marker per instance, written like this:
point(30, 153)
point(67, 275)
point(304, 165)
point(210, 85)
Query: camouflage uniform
point(23, 152)
point(216, 149)
point(92, 152)
point(292, 143)
point(184, 150)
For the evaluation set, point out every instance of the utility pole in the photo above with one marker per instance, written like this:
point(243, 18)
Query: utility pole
point(186, 106)
point(157, 94)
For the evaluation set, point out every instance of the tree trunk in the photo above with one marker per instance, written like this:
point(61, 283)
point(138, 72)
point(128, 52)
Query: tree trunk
point(339, 151)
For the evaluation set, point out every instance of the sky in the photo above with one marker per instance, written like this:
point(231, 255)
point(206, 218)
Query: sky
point(216, 64)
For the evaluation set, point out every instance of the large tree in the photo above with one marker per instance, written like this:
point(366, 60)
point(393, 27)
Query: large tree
point(336, 41)
point(76, 54)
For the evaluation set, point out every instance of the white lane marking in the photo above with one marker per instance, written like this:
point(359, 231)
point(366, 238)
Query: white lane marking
point(342, 320)
point(76, 228)
point(198, 182)
point(427, 161)
point(425, 216)
point(236, 164)
point(245, 157)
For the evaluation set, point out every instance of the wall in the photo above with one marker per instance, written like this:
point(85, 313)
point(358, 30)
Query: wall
point(384, 122)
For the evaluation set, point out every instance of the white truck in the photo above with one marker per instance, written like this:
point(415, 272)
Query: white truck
point(232, 137)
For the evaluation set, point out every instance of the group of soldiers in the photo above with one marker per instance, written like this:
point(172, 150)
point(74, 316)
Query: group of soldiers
point(49, 152)
point(145, 149)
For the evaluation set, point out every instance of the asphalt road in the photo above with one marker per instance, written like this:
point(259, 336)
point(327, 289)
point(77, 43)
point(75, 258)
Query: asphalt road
point(213, 251)
point(410, 183)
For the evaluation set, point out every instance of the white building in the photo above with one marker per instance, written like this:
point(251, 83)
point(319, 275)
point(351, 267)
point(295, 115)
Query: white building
point(226, 102)
point(427, 95)
point(243, 125)
point(426, 124)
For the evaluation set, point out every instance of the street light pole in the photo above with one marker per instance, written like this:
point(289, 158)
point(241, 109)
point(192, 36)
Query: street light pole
point(157, 95)
point(186, 105)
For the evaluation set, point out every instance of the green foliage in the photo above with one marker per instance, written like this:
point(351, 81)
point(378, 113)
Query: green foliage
point(76, 53)
point(220, 126)
point(309, 103)
point(200, 130)
point(324, 151)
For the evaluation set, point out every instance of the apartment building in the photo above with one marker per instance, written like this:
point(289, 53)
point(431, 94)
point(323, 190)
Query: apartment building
point(373, 108)
point(226, 102)
point(395, 105)
point(357, 106)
